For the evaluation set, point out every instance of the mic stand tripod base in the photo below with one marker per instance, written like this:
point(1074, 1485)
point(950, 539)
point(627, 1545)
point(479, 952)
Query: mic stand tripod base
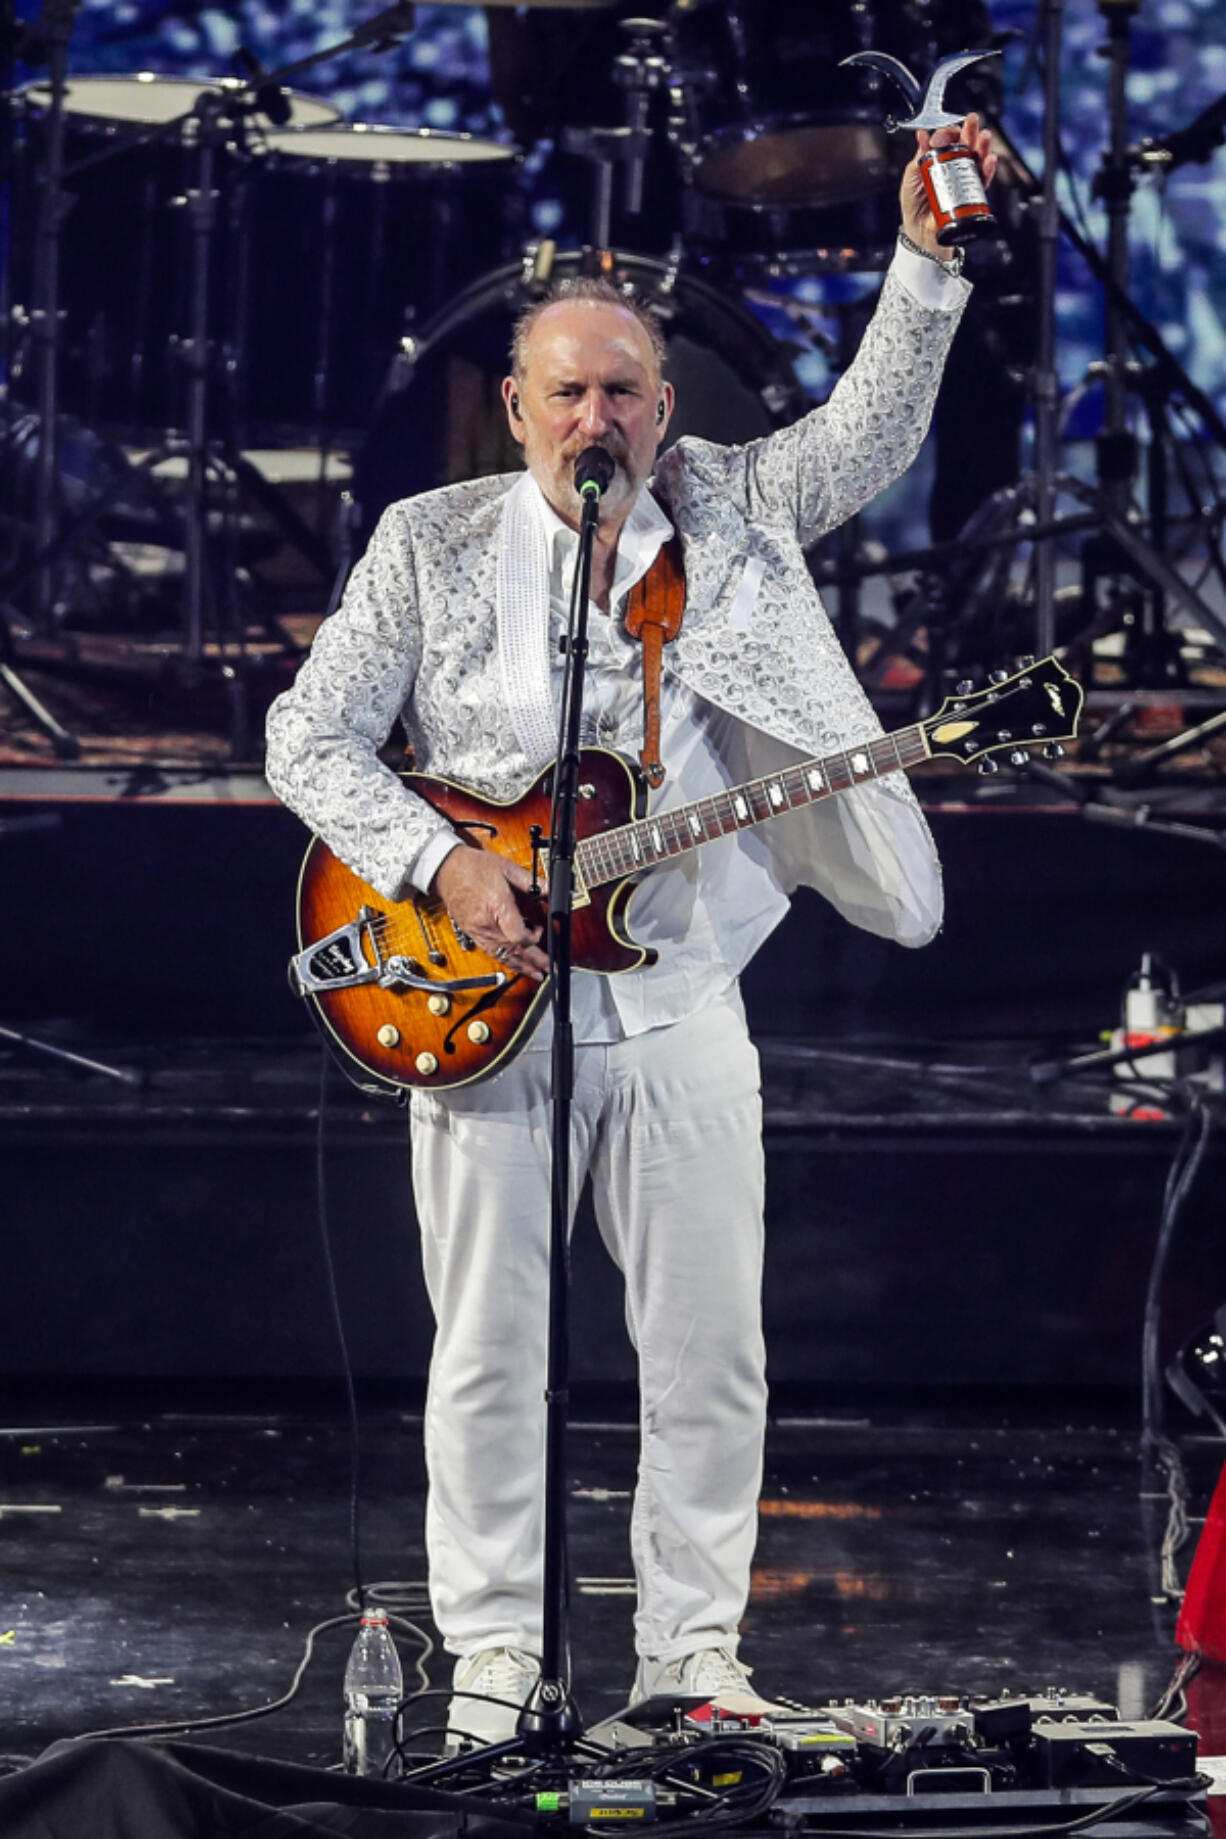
point(549, 1720)
point(64, 745)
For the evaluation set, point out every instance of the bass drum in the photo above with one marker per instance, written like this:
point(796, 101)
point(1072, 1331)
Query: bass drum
point(441, 417)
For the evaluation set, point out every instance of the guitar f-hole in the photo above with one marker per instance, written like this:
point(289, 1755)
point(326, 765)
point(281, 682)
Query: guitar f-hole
point(471, 1014)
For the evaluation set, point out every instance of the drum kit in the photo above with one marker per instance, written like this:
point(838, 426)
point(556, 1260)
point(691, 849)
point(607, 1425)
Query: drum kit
point(201, 269)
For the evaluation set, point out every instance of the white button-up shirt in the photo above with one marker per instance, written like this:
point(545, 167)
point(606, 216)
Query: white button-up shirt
point(707, 912)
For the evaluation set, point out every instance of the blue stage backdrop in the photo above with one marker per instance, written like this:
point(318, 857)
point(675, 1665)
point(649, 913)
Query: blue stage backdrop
point(439, 77)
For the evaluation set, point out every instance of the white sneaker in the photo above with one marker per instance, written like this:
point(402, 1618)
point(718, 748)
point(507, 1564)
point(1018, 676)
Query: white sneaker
point(712, 1673)
point(495, 1673)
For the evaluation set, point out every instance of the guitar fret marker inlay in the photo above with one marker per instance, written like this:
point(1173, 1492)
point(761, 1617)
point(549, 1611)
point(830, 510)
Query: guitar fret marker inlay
point(816, 780)
point(740, 808)
point(695, 824)
point(774, 792)
point(657, 839)
point(859, 763)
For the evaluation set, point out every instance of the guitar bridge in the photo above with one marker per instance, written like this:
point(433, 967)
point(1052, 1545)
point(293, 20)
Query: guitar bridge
point(339, 962)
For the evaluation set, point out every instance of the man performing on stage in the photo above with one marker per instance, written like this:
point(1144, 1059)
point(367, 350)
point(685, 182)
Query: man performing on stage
point(452, 620)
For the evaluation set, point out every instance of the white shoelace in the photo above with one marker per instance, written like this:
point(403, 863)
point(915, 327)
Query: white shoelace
point(717, 1669)
point(506, 1673)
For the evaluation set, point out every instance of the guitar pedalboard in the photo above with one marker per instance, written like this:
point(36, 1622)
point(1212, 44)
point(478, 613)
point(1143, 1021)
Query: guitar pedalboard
point(932, 1762)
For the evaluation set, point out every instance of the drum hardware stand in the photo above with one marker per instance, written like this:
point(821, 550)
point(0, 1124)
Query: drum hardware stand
point(1143, 558)
point(382, 32)
point(15, 1037)
point(64, 745)
point(49, 41)
point(639, 72)
point(56, 22)
point(1030, 508)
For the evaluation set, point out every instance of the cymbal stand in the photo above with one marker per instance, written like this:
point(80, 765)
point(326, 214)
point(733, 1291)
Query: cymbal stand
point(214, 113)
point(210, 110)
point(639, 72)
point(56, 29)
point(1114, 540)
point(235, 472)
point(1152, 652)
point(1045, 382)
point(45, 41)
point(1119, 549)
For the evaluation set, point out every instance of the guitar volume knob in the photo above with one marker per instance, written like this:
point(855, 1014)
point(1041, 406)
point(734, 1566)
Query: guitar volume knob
point(426, 1064)
point(479, 1033)
point(388, 1036)
point(438, 1004)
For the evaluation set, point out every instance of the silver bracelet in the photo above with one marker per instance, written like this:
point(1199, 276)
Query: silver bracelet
point(953, 267)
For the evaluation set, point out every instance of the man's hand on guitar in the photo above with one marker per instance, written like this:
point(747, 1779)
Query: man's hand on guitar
point(477, 889)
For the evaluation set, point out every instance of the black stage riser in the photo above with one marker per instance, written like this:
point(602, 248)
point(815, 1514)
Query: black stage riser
point(147, 918)
point(1008, 1261)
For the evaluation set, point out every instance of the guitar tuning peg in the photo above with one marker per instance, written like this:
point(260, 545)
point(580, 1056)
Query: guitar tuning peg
point(988, 767)
point(1019, 757)
point(1053, 751)
point(998, 676)
point(964, 687)
point(1026, 663)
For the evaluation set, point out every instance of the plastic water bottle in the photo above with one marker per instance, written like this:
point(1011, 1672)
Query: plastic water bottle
point(374, 1687)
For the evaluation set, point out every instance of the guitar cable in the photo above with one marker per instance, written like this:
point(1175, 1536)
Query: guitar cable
point(398, 1598)
point(342, 1339)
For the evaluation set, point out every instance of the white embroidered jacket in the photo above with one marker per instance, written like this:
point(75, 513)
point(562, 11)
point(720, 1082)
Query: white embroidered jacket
point(444, 623)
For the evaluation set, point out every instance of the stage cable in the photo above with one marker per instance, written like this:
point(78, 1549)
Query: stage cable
point(342, 1339)
point(182, 1727)
point(1173, 1705)
point(1159, 1454)
point(1180, 1177)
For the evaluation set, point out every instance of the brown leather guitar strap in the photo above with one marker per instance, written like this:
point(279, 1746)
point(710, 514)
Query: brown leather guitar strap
point(655, 608)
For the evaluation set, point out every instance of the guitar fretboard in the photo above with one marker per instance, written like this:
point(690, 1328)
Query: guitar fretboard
point(613, 854)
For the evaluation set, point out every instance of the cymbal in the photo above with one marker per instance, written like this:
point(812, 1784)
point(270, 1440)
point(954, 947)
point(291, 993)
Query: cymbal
point(569, 6)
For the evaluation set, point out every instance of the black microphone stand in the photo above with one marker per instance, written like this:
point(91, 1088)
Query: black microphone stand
point(550, 1717)
point(549, 1723)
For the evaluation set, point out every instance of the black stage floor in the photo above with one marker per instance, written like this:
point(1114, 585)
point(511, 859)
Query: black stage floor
point(169, 1565)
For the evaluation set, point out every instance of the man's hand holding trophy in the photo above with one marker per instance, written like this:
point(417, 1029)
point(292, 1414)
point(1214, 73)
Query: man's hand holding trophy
point(944, 188)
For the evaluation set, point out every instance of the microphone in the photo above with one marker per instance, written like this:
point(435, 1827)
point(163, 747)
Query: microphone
point(594, 471)
point(1198, 141)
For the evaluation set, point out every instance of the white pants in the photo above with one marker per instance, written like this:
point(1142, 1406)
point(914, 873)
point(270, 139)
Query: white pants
point(668, 1125)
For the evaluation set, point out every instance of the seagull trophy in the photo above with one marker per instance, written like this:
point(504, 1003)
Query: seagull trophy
point(928, 109)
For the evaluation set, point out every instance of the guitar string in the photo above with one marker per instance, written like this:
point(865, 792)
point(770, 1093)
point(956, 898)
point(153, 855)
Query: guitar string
point(610, 855)
point(608, 851)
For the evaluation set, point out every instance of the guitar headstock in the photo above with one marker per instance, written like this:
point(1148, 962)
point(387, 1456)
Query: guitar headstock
point(1038, 706)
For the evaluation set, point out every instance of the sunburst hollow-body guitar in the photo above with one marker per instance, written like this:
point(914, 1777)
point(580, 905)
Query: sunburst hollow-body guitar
point(409, 1001)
